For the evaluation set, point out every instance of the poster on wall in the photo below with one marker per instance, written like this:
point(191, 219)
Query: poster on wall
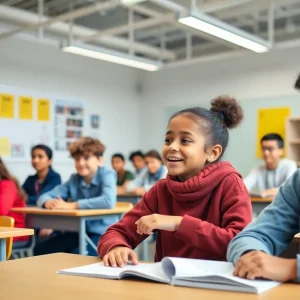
point(69, 123)
point(94, 128)
point(271, 120)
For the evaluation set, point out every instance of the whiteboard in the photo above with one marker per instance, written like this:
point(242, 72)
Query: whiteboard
point(58, 132)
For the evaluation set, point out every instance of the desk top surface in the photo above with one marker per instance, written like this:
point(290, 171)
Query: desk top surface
point(120, 208)
point(7, 232)
point(36, 278)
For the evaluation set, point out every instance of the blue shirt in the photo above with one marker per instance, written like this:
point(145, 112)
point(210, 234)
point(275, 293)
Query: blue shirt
point(275, 227)
point(101, 193)
point(147, 180)
point(34, 190)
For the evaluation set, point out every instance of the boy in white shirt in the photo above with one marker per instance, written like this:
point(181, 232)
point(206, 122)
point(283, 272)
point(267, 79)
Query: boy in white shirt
point(270, 175)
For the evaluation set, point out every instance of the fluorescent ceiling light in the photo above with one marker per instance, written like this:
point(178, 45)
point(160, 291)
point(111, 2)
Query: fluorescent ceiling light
point(131, 2)
point(225, 31)
point(112, 56)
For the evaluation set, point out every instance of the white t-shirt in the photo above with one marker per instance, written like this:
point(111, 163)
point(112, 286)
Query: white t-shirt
point(262, 179)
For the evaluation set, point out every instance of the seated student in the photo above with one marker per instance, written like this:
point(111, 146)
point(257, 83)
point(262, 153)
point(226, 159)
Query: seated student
point(124, 176)
point(200, 206)
point(92, 187)
point(254, 250)
point(155, 171)
point(138, 160)
point(270, 175)
point(11, 195)
point(45, 178)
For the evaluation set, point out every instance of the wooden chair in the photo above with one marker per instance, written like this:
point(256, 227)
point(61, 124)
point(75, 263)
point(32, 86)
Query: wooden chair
point(6, 221)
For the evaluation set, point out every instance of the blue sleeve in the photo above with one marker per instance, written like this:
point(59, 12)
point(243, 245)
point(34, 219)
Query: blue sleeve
point(31, 199)
point(139, 181)
point(51, 184)
point(62, 191)
point(108, 197)
point(275, 227)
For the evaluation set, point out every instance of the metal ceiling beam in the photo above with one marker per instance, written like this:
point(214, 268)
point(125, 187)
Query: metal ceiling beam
point(19, 16)
point(183, 27)
point(64, 17)
point(209, 8)
point(125, 28)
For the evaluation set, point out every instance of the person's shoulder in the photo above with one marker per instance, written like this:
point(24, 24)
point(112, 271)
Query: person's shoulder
point(103, 170)
point(7, 184)
point(53, 173)
point(285, 162)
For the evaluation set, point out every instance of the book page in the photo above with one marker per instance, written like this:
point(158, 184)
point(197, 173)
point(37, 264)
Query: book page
point(94, 270)
point(152, 271)
point(185, 267)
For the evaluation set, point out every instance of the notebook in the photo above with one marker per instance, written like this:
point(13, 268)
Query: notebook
point(179, 272)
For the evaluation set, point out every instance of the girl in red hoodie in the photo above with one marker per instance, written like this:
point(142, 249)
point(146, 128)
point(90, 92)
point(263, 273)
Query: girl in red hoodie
point(11, 195)
point(200, 206)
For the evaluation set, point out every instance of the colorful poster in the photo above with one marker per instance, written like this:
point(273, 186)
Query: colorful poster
point(25, 108)
point(43, 110)
point(271, 120)
point(7, 106)
point(69, 123)
point(4, 146)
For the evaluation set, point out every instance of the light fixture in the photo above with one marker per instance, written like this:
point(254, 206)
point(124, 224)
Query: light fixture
point(112, 56)
point(225, 31)
point(131, 2)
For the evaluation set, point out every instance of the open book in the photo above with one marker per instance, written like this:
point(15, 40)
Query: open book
point(179, 271)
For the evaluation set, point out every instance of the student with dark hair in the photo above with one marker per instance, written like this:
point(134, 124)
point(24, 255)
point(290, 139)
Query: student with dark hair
point(92, 187)
point(124, 176)
point(155, 171)
point(138, 160)
point(200, 206)
point(11, 195)
point(271, 174)
point(45, 178)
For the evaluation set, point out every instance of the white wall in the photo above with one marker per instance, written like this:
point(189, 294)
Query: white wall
point(107, 89)
point(247, 77)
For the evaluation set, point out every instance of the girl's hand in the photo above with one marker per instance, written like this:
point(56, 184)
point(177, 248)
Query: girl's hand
point(119, 257)
point(146, 224)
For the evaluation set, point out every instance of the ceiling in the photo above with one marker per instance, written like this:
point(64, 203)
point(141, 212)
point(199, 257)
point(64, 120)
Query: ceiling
point(149, 28)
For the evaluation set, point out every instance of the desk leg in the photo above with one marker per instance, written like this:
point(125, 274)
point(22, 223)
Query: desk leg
point(82, 232)
point(2, 249)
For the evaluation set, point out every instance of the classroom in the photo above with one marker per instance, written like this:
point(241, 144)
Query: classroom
point(149, 149)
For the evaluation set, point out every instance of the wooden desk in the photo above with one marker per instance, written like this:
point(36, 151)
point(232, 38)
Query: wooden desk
point(8, 232)
point(70, 220)
point(258, 204)
point(35, 278)
point(133, 198)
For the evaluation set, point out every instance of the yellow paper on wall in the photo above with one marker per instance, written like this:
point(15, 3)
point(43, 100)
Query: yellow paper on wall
point(271, 120)
point(7, 106)
point(4, 146)
point(43, 110)
point(25, 108)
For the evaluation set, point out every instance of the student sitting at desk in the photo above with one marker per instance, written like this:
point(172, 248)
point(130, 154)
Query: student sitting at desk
point(11, 195)
point(124, 176)
point(155, 171)
point(138, 160)
point(92, 187)
point(200, 206)
point(270, 175)
point(254, 250)
point(45, 178)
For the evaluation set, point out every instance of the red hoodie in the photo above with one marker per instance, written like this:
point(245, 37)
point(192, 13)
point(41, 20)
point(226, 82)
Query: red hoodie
point(215, 206)
point(9, 198)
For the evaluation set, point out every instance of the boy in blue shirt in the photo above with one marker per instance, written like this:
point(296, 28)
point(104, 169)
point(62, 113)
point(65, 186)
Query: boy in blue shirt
point(93, 187)
point(254, 250)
